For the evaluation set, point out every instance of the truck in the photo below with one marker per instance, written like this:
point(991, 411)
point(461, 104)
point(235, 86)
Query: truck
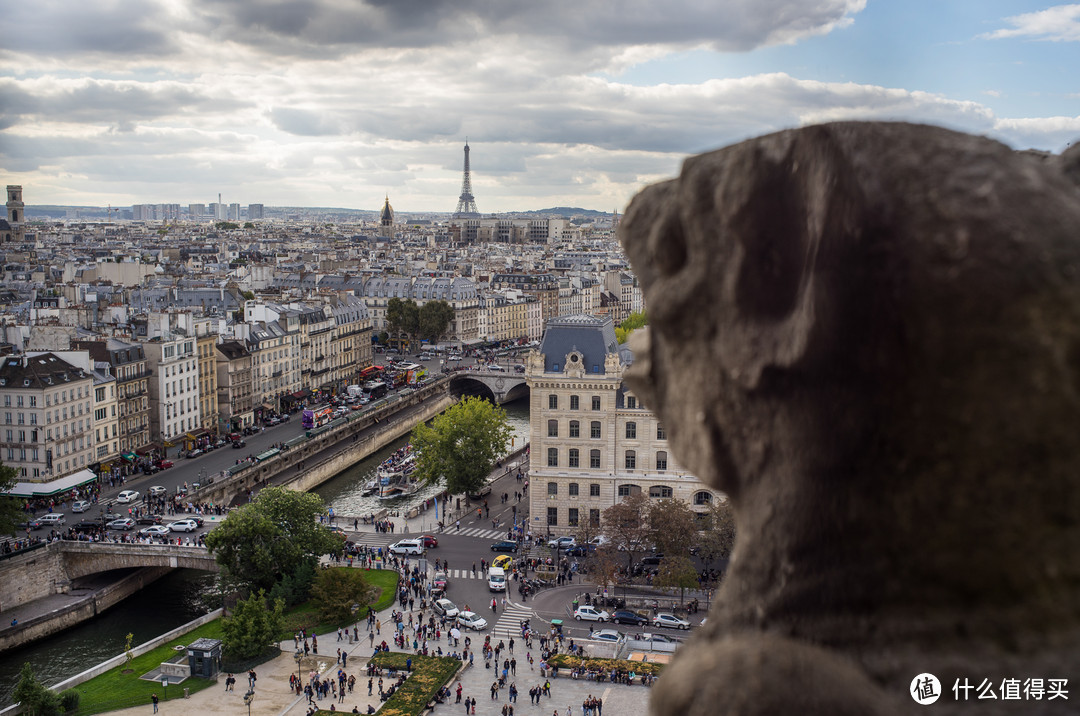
point(497, 579)
point(354, 391)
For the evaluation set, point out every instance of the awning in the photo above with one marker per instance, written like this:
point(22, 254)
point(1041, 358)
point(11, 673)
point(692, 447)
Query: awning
point(301, 393)
point(268, 406)
point(45, 489)
point(129, 456)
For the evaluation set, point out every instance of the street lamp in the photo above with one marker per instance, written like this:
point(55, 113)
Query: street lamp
point(299, 655)
point(248, 698)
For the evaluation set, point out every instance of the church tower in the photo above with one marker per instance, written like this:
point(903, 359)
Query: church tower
point(15, 214)
point(386, 221)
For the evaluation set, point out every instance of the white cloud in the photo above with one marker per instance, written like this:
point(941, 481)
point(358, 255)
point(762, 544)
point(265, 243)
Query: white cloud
point(1060, 23)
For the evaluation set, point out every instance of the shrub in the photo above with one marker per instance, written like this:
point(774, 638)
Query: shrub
point(69, 700)
point(565, 661)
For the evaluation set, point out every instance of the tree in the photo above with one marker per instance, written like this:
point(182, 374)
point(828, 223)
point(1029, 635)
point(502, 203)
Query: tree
point(626, 524)
point(677, 572)
point(718, 539)
point(673, 528)
point(633, 322)
point(11, 512)
point(603, 565)
point(461, 445)
point(270, 537)
point(33, 696)
point(403, 317)
point(253, 627)
point(248, 295)
point(337, 591)
point(435, 318)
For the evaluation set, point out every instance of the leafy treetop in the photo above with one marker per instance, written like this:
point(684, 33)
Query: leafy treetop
point(461, 445)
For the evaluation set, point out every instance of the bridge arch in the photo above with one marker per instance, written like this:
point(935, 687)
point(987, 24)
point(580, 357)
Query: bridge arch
point(81, 559)
point(499, 387)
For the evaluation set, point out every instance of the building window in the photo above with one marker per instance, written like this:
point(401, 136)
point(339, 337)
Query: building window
point(661, 460)
point(573, 489)
point(594, 429)
point(572, 517)
point(553, 402)
point(631, 459)
point(631, 431)
point(594, 518)
point(553, 457)
point(661, 434)
point(33, 401)
point(573, 402)
point(575, 429)
point(574, 460)
point(594, 459)
point(596, 402)
point(703, 498)
point(627, 490)
point(553, 516)
point(631, 402)
point(660, 491)
point(553, 488)
point(553, 428)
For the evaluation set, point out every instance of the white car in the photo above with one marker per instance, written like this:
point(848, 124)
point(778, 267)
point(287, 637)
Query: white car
point(591, 614)
point(407, 546)
point(184, 526)
point(669, 620)
point(154, 531)
point(471, 620)
point(612, 635)
point(447, 608)
point(128, 496)
point(562, 542)
point(157, 491)
point(80, 506)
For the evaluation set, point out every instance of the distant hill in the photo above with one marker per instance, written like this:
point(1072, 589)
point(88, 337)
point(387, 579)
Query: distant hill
point(567, 211)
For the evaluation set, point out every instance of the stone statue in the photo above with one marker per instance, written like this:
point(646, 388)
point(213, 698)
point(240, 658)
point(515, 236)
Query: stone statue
point(868, 336)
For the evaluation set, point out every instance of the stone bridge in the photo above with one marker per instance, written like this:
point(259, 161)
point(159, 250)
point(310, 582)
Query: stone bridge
point(83, 558)
point(500, 386)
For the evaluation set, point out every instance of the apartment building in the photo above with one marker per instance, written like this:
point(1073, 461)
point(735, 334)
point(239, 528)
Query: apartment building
point(206, 339)
point(127, 363)
point(235, 390)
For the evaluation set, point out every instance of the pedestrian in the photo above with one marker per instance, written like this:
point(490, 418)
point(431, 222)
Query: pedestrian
point(154, 700)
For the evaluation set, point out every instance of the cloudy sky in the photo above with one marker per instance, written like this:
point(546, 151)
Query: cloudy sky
point(564, 102)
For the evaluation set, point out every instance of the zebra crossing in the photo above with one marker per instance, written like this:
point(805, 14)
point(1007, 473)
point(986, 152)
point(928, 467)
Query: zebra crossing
point(385, 538)
point(510, 618)
point(476, 532)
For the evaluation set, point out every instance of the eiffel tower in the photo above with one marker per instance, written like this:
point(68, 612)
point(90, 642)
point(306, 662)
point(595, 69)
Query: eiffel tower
point(466, 206)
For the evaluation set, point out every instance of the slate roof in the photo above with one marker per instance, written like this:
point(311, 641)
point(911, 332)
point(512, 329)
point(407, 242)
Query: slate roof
point(591, 336)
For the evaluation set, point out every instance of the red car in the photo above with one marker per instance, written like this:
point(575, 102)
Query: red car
point(164, 464)
point(429, 541)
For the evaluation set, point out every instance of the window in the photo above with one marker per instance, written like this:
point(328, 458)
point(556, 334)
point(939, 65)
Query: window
point(553, 402)
point(553, 516)
point(594, 459)
point(553, 428)
point(553, 488)
point(661, 460)
point(594, 429)
point(553, 457)
point(631, 402)
point(631, 459)
point(574, 460)
point(660, 491)
point(575, 429)
point(7, 401)
point(594, 518)
point(19, 400)
point(33, 401)
point(573, 489)
point(596, 402)
point(661, 434)
point(572, 517)
point(703, 498)
point(573, 402)
point(631, 431)
point(627, 490)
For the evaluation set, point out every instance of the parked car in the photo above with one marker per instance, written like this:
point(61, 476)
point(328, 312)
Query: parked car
point(197, 519)
point(195, 453)
point(429, 541)
point(447, 608)
point(581, 550)
point(157, 491)
point(562, 543)
point(150, 469)
point(612, 635)
point(124, 523)
point(407, 546)
point(471, 620)
point(148, 520)
point(238, 444)
point(505, 545)
point(81, 505)
point(183, 526)
point(624, 616)
point(127, 496)
point(659, 638)
point(164, 464)
point(590, 614)
point(32, 524)
point(154, 531)
point(52, 519)
point(669, 620)
point(86, 526)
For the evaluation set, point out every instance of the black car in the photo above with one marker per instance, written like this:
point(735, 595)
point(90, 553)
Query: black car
point(237, 444)
point(623, 616)
point(87, 526)
point(34, 524)
point(581, 550)
point(504, 545)
point(148, 520)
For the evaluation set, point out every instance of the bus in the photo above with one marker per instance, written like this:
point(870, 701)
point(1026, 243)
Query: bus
point(317, 417)
point(377, 389)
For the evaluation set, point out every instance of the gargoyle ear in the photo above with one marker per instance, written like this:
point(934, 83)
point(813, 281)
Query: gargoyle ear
point(787, 206)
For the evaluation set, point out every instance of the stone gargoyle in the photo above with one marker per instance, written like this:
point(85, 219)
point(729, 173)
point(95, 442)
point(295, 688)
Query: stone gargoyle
point(868, 336)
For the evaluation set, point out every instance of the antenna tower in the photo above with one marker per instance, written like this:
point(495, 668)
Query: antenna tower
point(466, 206)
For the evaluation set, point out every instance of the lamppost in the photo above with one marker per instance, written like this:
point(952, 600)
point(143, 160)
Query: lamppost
point(248, 698)
point(299, 655)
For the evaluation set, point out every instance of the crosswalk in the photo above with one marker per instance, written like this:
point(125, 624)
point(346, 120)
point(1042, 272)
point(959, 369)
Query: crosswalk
point(385, 538)
point(510, 618)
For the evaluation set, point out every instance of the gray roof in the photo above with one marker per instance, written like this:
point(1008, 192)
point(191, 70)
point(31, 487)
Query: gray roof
point(591, 336)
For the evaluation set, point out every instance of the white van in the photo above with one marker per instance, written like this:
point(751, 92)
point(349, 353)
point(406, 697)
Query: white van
point(52, 519)
point(407, 546)
point(497, 579)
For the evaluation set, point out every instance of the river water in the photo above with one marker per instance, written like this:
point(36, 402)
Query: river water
point(175, 598)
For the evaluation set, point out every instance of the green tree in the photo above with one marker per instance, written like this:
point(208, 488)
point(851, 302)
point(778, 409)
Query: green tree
point(33, 696)
point(678, 573)
point(403, 317)
point(672, 527)
point(337, 591)
point(248, 295)
point(249, 225)
point(626, 525)
point(253, 627)
point(11, 508)
point(461, 445)
point(435, 318)
point(270, 537)
point(226, 225)
point(633, 322)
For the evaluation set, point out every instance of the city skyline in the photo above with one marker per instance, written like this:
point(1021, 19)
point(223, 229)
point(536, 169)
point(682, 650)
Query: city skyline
point(328, 104)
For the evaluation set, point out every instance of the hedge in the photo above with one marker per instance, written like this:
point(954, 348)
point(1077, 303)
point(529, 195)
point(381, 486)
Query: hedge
point(429, 674)
point(565, 661)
